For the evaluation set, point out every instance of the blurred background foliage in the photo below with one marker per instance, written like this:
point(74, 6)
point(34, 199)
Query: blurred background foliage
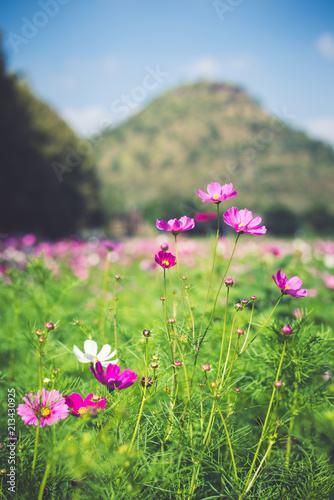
point(55, 184)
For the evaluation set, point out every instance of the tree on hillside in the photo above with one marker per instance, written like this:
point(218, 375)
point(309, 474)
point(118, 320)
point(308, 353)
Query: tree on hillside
point(49, 185)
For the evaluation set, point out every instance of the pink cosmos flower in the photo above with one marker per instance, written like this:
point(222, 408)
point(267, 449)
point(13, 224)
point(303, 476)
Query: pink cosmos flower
point(53, 408)
point(112, 377)
point(205, 216)
point(175, 225)
point(243, 221)
point(80, 406)
point(291, 286)
point(217, 193)
point(165, 259)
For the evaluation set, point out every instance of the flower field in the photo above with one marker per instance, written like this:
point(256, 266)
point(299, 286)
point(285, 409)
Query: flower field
point(170, 367)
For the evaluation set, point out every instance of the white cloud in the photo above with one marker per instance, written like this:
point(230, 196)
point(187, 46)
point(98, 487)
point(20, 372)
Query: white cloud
point(322, 128)
point(205, 67)
point(87, 121)
point(325, 45)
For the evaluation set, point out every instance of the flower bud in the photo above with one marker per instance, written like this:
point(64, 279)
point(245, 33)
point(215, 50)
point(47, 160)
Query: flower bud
point(95, 398)
point(46, 380)
point(148, 382)
point(201, 384)
point(184, 278)
point(154, 365)
point(228, 282)
point(162, 297)
point(206, 368)
point(187, 287)
point(42, 339)
point(164, 247)
point(49, 325)
point(155, 358)
point(117, 277)
point(244, 301)
point(237, 389)
point(171, 321)
point(214, 384)
point(55, 371)
point(3, 471)
point(287, 330)
point(39, 333)
point(278, 384)
point(177, 363)
point(146, 333)
point(253, 298)
point(238, 306)
point(239, 331)
point(218, 395)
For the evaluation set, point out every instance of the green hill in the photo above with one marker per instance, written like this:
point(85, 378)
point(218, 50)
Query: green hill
point(205, 132)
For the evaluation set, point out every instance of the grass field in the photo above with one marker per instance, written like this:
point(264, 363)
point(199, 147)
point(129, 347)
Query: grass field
point(188, 433)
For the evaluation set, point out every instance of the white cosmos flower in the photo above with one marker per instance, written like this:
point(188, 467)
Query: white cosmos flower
point(90, 355)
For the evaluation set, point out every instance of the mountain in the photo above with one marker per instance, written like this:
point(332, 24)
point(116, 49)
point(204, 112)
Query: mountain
point(196, 134)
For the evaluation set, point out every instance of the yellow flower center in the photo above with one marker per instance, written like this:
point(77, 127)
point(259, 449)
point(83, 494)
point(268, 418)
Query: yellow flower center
point(165, 262)
point(287, 287)
point(82, 410)
point(96, 358)
point(45, 412)
point(242, 224)
point(216, 196)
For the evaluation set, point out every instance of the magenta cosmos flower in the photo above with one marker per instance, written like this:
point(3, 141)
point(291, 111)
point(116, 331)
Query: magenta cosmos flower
point(217, 193)
point(175, 226)
point(53, 408)
point(165, 259)
point(80, 406)
point(291, 286)
point(243, 221)
point(112, 377)
point(205, 216)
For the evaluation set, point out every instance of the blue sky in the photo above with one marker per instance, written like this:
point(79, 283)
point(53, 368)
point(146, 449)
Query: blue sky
point(85, 58)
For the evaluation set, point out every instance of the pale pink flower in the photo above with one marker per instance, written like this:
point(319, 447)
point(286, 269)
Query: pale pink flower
point(291, 286)
point(53, 408)
point(176, 225)
point(217, 193)
point(243, 221)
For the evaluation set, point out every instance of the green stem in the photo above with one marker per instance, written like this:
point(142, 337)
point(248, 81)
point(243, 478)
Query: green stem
point(229, 444)
point(115, 314)
point(39, 410)
point(229, 349)
point(292, 421)
point(264, 429)
point(224, 330)
point(211, 274)
point(178, 272)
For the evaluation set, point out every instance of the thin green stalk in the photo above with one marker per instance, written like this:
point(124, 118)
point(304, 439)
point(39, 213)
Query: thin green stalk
point(248, 329)
point(292, 421)
point(178, 272)
point(224, 330)
point(102, 318)
point(229, 349)
point(262, 327)
point(229, 444)
point(40, 352)
point(258, 469)
point(212, 269)
point(142, 400)
point(220, 286)
point(115, 314)
point(264, 429)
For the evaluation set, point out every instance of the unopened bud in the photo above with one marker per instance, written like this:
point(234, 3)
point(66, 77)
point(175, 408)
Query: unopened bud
point(155, 358)
point(154, 365)
point(177, 363)
point(239, 331)
point(49, 325)
point(287, 330)
point(42, 339)
point(146, 333)
point(184, 278)
point(228, 282)
point(238, 306)
point(214, 384)
point(164, 247)
point(201, 384)
point(253, 298)
point(237, 389)
point(206, 368)
point(171, 321)
point(278, 384)
point(39, 333)
point(162, 298)
point(244, 301)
